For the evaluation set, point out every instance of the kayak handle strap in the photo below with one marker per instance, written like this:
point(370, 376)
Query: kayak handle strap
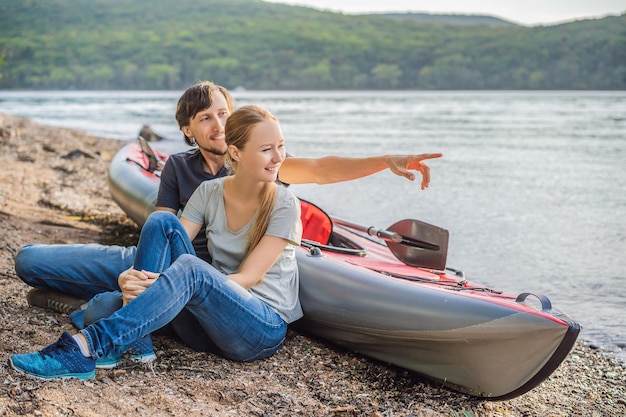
point(546, 304)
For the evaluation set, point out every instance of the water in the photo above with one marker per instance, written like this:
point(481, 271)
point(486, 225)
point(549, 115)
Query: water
point(531, 186)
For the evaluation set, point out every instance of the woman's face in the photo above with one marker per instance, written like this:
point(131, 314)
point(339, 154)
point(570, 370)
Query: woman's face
point(264, 152)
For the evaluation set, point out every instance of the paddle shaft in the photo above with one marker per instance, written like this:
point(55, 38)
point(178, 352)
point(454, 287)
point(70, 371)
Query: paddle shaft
point(372, 231)
point(413, 242)
point(388, 235)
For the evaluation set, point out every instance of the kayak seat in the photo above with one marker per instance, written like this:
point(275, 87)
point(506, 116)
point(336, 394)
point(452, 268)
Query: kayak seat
point(316, 224)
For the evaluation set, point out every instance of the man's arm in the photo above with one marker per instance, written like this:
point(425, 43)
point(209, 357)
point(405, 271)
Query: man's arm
point(331, 169)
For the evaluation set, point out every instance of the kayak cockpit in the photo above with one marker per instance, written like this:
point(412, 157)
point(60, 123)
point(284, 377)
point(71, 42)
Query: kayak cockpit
point(318, 233)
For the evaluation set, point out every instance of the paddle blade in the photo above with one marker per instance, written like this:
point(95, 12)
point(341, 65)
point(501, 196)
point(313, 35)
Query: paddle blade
point(422, 245)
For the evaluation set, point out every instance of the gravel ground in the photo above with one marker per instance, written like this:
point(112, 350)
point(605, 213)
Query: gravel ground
point(53, 190)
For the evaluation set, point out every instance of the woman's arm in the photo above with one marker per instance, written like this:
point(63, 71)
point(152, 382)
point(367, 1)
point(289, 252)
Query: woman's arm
point(259, 261)
point(191, 228)
point(331, 169)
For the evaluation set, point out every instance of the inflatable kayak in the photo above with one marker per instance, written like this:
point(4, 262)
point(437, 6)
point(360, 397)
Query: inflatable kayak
point(388, 294)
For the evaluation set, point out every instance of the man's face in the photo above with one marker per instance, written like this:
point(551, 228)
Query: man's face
point(207, 126)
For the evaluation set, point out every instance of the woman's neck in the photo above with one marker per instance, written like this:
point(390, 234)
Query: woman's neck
point(241, 201)
point(243, 189)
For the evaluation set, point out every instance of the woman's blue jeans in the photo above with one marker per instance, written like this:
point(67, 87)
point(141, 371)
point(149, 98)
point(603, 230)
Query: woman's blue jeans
point(240, 325)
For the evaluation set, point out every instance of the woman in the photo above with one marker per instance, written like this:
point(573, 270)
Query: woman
point(244, 300)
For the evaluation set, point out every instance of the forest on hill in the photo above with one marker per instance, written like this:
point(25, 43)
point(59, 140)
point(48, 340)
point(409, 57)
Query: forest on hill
point(168, 44)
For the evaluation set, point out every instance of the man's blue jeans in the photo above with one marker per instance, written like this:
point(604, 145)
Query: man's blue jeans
point(241, 326)
point(79, 270)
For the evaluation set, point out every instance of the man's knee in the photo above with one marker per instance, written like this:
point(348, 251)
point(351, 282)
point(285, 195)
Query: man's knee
point(25, 259)
point(102, 305)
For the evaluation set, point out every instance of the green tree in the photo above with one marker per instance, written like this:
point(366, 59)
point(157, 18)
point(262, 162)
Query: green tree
point(318, 74)
point(223, 69)
point(61, 77)
point(386, 75)
point(161, 77)
point(99, 77)
point(142, 44)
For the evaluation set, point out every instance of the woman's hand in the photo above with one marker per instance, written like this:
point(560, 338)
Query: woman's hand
point(133, 282)
point(402, 165)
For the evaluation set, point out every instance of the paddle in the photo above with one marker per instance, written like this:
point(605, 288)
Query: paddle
point(411, 241)
point(154, 163)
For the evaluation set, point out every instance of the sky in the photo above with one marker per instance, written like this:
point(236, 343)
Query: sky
point(528, 12)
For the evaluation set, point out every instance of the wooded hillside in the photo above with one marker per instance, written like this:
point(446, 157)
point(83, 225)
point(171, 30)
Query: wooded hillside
point(168, 44)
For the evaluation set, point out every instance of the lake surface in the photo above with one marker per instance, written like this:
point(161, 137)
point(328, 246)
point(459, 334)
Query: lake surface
point(532, 185)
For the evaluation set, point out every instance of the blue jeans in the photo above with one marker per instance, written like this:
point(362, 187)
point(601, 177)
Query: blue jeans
point(184, 326)
point(90, 271)
point(79, 270)
point(240, 325)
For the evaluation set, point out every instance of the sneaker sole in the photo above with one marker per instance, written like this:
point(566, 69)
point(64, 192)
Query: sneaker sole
point(83, 376)
point(53, 300)
point(147, 358)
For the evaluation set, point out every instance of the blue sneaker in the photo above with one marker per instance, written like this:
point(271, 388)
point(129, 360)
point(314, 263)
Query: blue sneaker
point(61, 359)
point(140, 351)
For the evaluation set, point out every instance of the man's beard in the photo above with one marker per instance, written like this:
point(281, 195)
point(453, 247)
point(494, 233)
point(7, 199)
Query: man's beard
point(213, 151)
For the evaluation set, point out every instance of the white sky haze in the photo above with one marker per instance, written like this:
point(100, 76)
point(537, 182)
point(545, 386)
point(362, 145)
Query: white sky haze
point(529, 12)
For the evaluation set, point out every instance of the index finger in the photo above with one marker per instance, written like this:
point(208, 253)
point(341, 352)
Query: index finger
point(430, 155)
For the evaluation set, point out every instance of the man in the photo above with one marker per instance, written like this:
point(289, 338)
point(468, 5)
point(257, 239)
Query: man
point(83, 271)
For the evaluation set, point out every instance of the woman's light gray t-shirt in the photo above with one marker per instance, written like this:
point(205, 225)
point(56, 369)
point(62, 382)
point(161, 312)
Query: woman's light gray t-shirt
point(280, 285)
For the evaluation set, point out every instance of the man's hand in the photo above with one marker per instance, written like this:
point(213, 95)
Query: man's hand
point(403, 165)
point(133, 282)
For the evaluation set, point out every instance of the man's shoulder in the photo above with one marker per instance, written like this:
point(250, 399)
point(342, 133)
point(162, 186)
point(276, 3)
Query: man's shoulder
point(213, 185)
point(185, 155)
point(185, 161)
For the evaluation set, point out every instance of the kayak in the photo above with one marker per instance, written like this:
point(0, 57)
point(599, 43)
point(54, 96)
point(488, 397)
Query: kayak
point(387, 294)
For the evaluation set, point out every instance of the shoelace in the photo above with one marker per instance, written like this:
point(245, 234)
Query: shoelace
point(55, 348)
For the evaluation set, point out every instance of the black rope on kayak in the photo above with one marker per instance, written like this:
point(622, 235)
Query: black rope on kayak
point(156, 172)
point(456, 286)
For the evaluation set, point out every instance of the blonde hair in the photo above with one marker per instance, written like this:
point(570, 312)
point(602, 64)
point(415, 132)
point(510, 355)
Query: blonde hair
point(238, 128)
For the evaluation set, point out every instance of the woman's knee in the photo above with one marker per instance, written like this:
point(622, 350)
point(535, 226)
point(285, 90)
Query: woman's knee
point(187, 261)
point(190, 265)
point(159, 217)
point(161, 223)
